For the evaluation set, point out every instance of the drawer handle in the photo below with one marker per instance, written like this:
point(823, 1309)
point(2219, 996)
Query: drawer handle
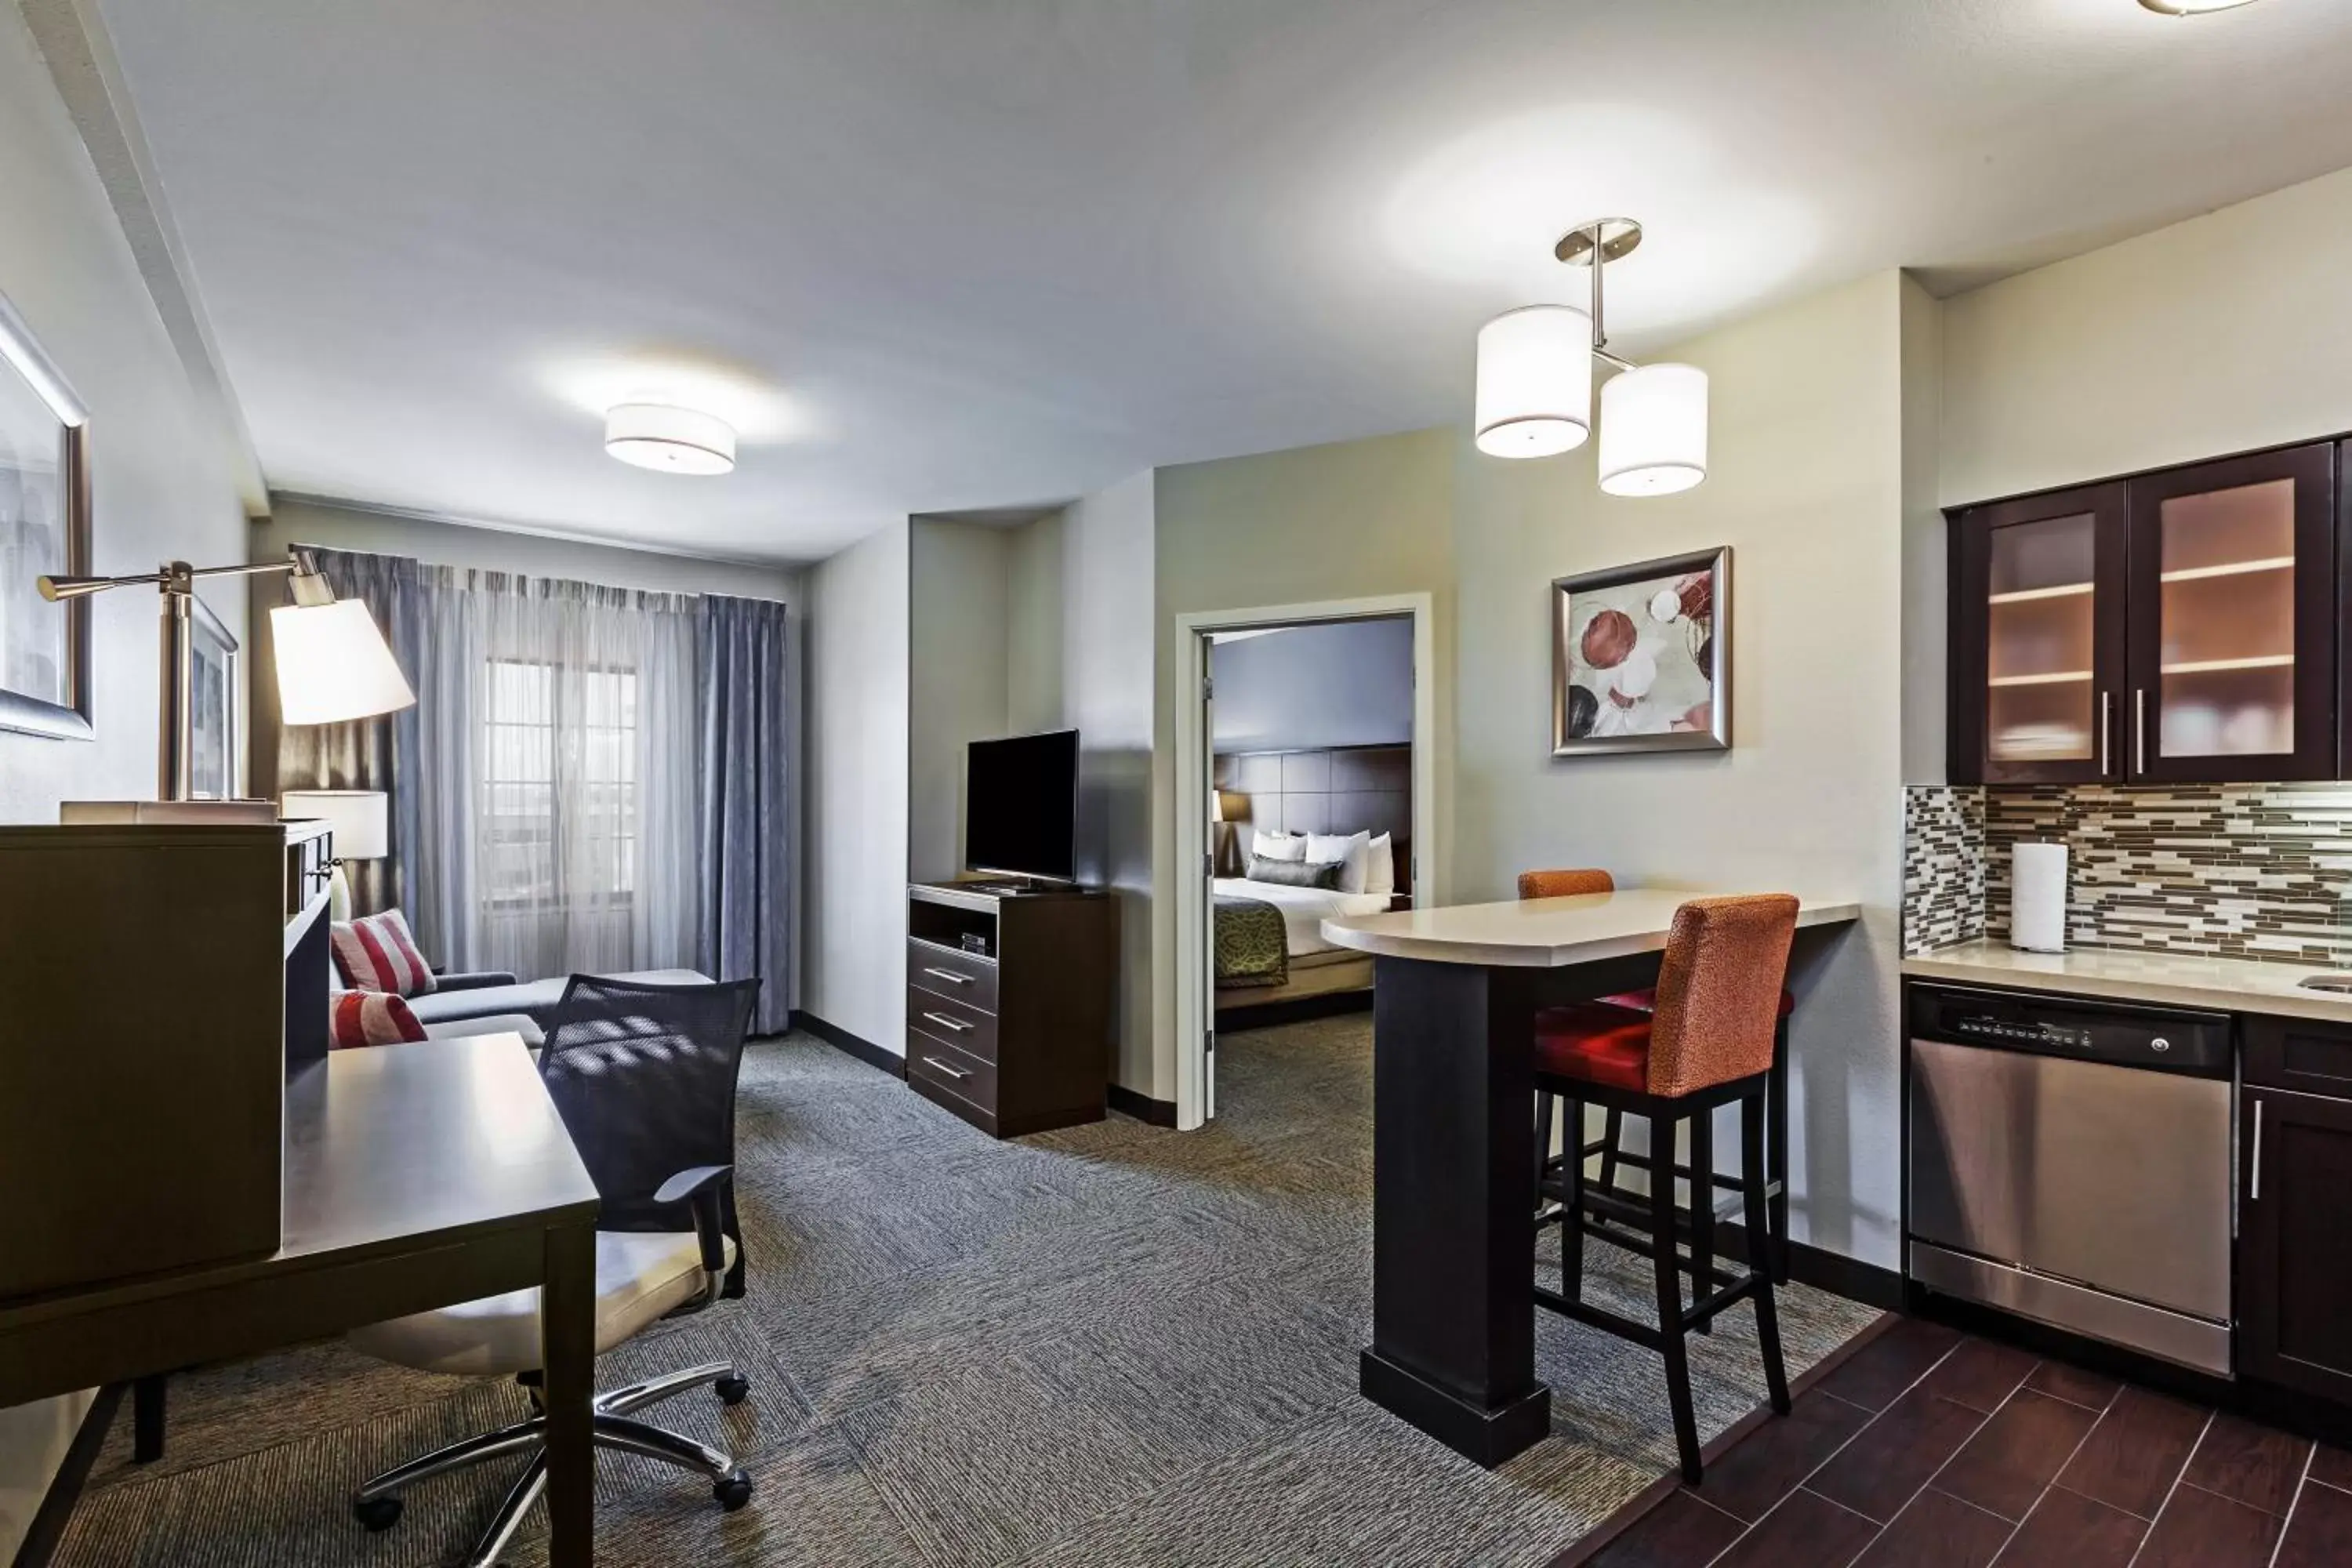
point(949, 975)
point(944, 1022)
point(959, 1074)
point(2254, 1188)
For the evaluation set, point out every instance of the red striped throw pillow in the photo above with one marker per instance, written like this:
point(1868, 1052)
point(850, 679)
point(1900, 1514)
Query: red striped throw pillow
point(375, 952)
point(371, 1019)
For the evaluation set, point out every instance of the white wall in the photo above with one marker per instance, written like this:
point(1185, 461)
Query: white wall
point(957, 676)
point(1804, 483)
point(1927, 554)
point(854, 954)
point(163, 489)
point(1345, 684)
point(2228, 331)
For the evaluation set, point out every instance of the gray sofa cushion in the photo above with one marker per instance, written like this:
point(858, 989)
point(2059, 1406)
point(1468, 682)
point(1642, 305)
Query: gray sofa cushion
point(536, 998)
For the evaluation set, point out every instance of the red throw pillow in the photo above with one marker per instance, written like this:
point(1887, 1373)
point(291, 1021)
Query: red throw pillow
point(375, 952)
point(371, 1019)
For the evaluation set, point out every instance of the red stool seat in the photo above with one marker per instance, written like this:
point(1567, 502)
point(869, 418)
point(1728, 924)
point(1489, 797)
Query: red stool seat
point(1647, 1001)
point(1596, 1042)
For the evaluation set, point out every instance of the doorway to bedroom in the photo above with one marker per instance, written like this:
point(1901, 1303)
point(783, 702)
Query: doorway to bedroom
point(1306, 748)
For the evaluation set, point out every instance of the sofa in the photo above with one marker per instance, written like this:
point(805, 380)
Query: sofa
point(492, 1001)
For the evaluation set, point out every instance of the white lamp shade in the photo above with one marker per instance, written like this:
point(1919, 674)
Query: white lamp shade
point(670, 439)
point(1535, 382)
point(358, 817)
point(1653, 430)
point(333, 664)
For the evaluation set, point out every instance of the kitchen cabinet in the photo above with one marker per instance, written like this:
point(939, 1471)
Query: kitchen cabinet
point(2295, 1212)
point(2179, 627)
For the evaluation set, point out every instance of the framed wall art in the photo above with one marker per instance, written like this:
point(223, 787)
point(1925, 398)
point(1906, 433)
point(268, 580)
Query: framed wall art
point(1642, 657)
point(45, 529)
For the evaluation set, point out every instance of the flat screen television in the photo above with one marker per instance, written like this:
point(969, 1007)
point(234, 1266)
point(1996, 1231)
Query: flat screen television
point(1020, 805)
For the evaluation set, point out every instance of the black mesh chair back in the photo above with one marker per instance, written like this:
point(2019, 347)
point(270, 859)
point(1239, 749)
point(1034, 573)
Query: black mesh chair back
point(644, 1077)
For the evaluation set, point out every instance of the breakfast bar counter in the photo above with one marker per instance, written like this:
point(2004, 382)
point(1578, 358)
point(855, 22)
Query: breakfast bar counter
point(1455, 993)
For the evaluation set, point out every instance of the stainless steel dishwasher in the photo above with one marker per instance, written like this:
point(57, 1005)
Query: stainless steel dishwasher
point(2071, 1162)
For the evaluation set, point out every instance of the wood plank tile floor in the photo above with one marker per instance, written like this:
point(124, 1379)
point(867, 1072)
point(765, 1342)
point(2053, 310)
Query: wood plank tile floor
point(1929, 1447)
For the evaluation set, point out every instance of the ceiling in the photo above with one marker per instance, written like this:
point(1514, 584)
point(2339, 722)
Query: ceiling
point(974, 256)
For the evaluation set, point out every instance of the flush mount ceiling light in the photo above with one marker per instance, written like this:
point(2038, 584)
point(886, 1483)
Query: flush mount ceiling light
point(2193, 8)
point(668, 439)
point(1535, 384)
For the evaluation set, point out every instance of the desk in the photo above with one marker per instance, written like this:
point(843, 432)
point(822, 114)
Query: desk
point(416, 1176)
point(1455, 995)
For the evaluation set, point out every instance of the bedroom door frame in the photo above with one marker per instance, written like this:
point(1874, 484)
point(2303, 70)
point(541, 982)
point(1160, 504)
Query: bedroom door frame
point(1195, 756)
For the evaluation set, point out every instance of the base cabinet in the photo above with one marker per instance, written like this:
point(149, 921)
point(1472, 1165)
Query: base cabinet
point(2295, 1241)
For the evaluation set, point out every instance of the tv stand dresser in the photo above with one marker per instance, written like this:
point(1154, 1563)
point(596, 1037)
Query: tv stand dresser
point(1009, 996)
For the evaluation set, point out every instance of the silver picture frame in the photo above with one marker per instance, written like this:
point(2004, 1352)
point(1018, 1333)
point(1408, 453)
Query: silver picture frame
point(211, 737)
point(1671, 636)
point(45, 528)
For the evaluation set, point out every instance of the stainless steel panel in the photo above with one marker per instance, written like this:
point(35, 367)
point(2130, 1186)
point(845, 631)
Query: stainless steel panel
point(2116, 1178)
point(2173, 1336)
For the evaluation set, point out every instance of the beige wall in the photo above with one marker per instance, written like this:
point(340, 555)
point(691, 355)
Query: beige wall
point(957, 671)
point(1805, 485)
point(163, 489)
point(2228, 331)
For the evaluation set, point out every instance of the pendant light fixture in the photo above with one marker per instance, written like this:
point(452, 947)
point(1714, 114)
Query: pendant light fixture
point(1535, 384)
point(668, 439)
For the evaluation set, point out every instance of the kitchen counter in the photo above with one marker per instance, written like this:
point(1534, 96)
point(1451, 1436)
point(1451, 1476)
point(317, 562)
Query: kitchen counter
point(2175, 979)
point(1544, 934)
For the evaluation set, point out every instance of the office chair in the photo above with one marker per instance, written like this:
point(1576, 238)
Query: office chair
point(644, 1077)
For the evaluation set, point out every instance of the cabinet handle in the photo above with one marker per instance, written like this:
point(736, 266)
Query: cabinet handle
point(944, 1022)
point(2254, 1186)
point(2139, 730)
point(959, 1074)
point(950, 975)
point(2106, 725)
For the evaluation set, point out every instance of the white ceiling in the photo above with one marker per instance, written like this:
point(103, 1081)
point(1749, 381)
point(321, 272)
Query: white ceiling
point(960, 255)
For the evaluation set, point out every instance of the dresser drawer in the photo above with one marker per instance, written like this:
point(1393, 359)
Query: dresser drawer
point(2301, 1054)
point(951, 1022)
point(965, 1076)
point(945, 971)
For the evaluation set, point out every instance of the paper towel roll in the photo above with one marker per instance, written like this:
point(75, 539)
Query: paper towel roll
point(2037, 898)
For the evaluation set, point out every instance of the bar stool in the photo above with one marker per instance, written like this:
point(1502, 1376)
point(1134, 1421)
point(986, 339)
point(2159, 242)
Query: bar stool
point(1567, 883)
point(1710, 1042)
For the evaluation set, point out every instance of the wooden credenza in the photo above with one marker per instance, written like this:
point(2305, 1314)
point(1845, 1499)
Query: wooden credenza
point(1009, 1003)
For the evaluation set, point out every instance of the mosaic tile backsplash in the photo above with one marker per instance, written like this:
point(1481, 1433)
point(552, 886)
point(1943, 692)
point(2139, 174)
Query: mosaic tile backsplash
point(2258, 871)
point(1943, 867)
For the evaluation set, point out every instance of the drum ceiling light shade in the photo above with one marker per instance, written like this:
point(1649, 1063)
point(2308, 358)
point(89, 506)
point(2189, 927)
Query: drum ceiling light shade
point(670, 439)
point(2193, 8)
point(333, 664)
point(1535, 382)
point(1653, 430)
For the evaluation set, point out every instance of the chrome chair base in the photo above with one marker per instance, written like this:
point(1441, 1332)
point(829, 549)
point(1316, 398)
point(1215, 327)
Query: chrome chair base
point(377, 1503)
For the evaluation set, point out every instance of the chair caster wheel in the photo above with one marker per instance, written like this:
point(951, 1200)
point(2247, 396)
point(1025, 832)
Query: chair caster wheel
point(732, 1492)
point(733, 1390)
point(378, 1514)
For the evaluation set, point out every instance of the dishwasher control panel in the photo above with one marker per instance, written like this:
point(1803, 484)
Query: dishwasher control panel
point(2163, 1040)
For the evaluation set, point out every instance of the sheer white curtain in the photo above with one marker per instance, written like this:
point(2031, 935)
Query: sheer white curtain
point(558, 789)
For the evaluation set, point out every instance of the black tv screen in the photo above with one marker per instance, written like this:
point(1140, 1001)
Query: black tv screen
point(1020, 805)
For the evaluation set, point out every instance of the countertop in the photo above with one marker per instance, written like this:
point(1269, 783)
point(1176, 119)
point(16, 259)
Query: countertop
point(2173, 979)
point(1543, 933)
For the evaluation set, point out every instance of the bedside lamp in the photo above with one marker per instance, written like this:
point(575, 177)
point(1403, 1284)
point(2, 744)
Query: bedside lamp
point(360, 818)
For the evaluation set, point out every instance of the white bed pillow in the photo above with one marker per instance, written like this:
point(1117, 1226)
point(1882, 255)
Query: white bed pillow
point(1379, 864)
point(1351, 852)
point(1278, 846)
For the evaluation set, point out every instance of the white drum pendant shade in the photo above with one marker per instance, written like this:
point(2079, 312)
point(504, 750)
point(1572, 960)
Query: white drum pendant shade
point(1535, 382)
point(1653, 430)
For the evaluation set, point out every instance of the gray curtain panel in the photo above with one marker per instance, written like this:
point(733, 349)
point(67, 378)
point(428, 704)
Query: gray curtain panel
point(749, 659)
point(373, 753)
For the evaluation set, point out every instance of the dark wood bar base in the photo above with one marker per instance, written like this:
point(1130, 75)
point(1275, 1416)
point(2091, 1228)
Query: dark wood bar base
point(1489, 1436)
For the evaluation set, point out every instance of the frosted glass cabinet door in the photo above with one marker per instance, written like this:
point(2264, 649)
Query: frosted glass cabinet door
point(2232, 660)
point(2038, 642)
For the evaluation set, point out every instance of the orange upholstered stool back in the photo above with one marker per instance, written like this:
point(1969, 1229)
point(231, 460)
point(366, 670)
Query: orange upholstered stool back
point(1564, 884)
point(1719, 991)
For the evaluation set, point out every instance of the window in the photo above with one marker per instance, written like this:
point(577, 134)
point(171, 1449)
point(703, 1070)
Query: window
point(560, 752)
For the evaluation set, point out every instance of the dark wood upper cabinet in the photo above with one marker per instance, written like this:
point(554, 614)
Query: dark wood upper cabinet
point(2233, 619)
point(2038, 638)
point(2176, 627)
point(2294, 1275)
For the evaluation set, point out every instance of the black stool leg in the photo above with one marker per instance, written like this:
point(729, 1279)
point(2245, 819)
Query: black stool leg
point(1702, 1199)
point(1612, 1123)
point(147, 1420)
point(1571, 1223)
point(1767, 1318)
point(1543, 1140)
point(1670, 1291)
point(1777, 1086)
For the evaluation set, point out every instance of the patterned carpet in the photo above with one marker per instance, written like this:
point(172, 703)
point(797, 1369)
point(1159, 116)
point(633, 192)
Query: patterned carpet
point(1111, 1345)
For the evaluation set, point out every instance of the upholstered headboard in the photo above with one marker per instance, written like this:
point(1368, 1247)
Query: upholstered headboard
point(1341, 789)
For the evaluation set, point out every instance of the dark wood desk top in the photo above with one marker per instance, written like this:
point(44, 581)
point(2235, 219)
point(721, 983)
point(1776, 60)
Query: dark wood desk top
point(390, 1151)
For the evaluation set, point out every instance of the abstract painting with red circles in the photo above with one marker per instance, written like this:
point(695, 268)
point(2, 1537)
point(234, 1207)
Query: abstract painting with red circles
point(1641, 658)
